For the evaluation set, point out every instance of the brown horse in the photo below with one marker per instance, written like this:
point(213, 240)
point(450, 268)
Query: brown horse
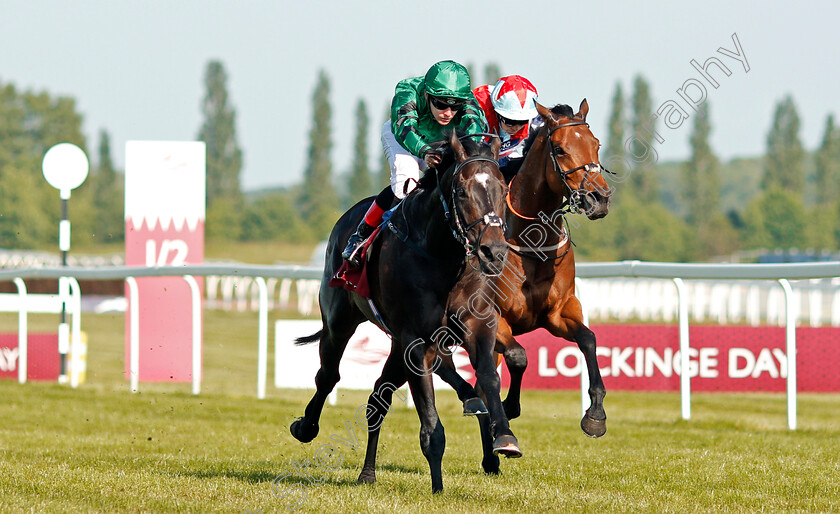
point(560, 174)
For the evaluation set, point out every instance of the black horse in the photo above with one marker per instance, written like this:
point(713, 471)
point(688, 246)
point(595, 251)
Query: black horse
point(424, 285)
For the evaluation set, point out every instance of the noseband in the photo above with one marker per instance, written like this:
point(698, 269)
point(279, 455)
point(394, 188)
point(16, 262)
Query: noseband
point(460, 228)
point(575, 195)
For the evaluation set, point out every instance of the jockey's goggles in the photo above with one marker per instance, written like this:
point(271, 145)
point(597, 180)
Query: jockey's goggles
point(511, 123)
point(442, 103)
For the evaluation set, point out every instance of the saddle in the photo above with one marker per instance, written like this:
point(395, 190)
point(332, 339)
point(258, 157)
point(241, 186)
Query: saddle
point(352, 278)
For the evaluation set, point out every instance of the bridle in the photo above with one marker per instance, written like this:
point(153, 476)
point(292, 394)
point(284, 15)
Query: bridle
point(575, 195)
point(459, 226)
point(572, 205)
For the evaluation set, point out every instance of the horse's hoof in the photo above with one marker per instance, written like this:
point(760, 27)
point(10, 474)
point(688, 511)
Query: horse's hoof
point(474, 407)
point(301, 433)
point(367, 477)
point(593, 427)
point(490, 465)
point(512, 410)
point(508, 446)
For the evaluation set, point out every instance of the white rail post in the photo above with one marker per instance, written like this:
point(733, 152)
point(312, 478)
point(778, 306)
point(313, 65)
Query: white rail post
point(790, 351)
point(685, 378)
point(196, 333)
point(133, 335)
point(262, 339)
point(584, 374)
point(76, 330)
point(23, 339)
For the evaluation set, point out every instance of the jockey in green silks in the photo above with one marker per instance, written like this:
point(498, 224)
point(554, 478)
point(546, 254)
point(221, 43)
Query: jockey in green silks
point(424, 110)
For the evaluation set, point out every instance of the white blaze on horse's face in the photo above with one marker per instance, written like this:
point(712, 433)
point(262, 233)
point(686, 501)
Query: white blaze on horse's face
point(482, 178)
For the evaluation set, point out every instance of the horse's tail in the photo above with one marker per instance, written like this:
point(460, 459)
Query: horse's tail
point(300, 341)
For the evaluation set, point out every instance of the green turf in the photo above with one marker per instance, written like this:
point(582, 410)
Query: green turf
point(103, 449)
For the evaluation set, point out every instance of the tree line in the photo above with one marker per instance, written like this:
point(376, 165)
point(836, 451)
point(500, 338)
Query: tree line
point(695, 210)
point(791, 204)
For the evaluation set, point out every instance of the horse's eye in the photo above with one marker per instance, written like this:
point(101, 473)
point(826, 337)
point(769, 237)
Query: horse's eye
point(461, 193)
point(559, 150)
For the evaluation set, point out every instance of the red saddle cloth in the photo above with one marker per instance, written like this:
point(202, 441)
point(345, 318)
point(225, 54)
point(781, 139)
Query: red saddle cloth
point(352, 278)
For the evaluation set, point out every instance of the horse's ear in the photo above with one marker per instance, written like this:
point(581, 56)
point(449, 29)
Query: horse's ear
point(583, 110)
point(494, 147)
point(546, 114)
point(457, 147)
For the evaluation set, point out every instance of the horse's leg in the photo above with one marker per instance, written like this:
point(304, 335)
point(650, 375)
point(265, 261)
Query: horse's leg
point(516, 361)
point(378, 406)
point(489, 461)
point(473, 404)
point(568, 324)
point(340, 319)
point(594, 422)
point(481, 354)
point(432, 437)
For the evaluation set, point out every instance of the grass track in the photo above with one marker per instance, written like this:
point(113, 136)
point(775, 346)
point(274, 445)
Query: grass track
point(101, 449)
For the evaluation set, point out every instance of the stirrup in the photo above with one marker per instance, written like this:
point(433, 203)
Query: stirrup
point(354, 246)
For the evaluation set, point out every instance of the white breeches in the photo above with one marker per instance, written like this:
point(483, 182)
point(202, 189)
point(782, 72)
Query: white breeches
point(405, 167)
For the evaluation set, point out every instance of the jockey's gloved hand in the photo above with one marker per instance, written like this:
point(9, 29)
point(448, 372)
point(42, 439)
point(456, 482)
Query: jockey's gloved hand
point(432, 158)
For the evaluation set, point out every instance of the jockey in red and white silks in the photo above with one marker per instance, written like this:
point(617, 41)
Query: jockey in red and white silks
point(511, 111)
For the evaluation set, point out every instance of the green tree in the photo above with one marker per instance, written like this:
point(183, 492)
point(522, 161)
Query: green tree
point(470, 71)
point(702, 185)
point(824, 216)
point(30, 124)
point(828, 164)
point(224, 157)
point(775, 219)
point(272, 217)
point(25, 220)
point(639, 231)
point(640, 148)
point(614, 157)
point(360, 184)
point(318, 198)
point(784, 165)
point(823, 227)
point(384, 179)
point(492, 73)
point(107, 195)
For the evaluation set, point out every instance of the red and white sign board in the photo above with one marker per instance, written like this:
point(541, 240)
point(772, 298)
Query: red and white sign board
point(165, 194)
point(630, 357)
point(42, 360)
point(721, 358)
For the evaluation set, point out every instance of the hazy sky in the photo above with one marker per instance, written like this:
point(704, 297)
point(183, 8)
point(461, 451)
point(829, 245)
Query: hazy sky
point(136, 68)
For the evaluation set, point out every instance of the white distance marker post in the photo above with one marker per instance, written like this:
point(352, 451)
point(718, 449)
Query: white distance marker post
point(65, 167)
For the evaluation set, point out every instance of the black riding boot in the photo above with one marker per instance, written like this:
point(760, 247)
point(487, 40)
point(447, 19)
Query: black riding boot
point(354, 244)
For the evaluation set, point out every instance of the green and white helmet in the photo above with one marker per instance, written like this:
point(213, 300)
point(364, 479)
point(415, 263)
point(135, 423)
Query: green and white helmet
point(448, 81)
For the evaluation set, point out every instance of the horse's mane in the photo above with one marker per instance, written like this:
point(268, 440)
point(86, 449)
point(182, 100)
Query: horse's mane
point(472, 147)
point(563, 110)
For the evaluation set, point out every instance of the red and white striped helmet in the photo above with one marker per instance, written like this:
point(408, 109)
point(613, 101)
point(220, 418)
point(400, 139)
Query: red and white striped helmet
point(514, 97)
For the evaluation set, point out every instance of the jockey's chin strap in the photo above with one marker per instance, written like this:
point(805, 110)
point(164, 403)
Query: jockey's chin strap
point(575, 195)
point(460, 228)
